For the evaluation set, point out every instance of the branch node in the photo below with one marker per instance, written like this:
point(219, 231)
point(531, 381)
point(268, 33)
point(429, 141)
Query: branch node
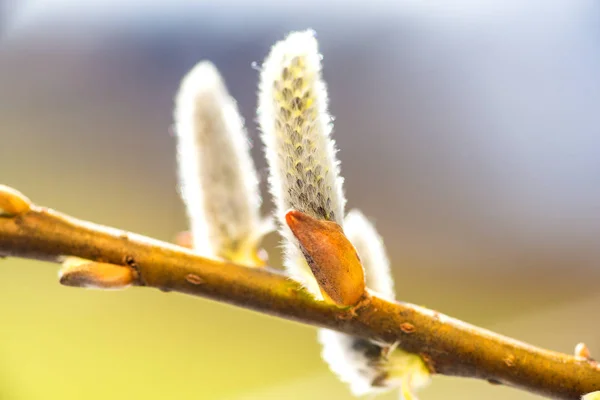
point(510, 360)
point(407, 327)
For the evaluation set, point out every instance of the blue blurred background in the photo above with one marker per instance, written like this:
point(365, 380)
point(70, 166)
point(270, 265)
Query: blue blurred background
point(468, 130)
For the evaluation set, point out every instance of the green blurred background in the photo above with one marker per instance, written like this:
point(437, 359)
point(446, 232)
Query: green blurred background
point(467, 130)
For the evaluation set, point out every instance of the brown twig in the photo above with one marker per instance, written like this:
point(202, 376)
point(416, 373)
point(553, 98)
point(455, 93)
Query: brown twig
point(449, 346)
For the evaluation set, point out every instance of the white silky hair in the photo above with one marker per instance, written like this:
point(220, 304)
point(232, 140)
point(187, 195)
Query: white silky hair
point(371, 250)
point(355, 361)
point(296, 130)
point(218, 181)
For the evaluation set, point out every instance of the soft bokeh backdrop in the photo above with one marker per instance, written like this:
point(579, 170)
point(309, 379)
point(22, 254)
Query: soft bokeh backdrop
point(468, 130)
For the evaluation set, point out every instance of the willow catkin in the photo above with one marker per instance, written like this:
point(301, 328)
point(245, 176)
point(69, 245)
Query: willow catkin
point(218, 180)
point(296, 128)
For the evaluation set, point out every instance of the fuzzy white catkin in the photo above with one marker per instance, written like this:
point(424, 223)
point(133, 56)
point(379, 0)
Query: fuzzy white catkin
point(218, 180)
point(296, 128)
point(591, 396)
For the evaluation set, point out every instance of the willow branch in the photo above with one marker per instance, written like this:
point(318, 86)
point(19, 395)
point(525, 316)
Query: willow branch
point(449, 346)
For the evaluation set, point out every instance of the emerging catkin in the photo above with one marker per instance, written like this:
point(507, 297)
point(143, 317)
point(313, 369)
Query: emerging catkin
point(296, 127)
point(366, 366)
point(218, 180)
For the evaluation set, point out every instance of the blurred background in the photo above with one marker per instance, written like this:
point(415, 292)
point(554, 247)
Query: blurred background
point(468, 131)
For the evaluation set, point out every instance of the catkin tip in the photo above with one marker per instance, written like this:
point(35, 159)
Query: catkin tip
point(203, 80)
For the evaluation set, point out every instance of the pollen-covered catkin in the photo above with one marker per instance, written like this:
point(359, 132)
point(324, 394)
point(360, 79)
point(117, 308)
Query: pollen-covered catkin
point(296, 127)
point(218, 180)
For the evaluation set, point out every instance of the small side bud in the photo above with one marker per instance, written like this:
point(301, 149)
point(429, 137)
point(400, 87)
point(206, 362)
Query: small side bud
point(218, 180)
point(330, 256)
point(13, 202)
point(78, 272)
point(582, 351)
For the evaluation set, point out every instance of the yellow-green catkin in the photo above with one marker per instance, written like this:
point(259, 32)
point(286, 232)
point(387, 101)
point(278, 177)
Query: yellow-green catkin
point(218, 180)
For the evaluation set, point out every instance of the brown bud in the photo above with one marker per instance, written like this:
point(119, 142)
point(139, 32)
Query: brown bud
point(331, 257)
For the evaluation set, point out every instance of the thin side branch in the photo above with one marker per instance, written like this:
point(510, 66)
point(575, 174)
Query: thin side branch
point(449, 346)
